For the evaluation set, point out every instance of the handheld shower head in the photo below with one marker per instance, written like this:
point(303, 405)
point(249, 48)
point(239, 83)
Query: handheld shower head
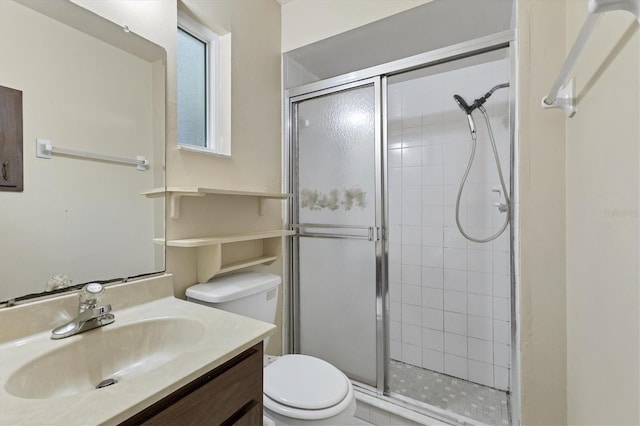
point(462, 104)
point(467, 110)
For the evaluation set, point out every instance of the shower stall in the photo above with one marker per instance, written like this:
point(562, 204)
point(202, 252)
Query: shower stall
point(401, 266)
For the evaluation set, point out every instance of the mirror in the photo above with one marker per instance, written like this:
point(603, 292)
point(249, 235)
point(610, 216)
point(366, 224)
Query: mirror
point(88, 86)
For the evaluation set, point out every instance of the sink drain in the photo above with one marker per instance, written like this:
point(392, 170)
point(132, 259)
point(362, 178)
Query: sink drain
point(106, 382)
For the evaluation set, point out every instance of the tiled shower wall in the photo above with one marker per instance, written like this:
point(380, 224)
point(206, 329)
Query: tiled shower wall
point(450, 297)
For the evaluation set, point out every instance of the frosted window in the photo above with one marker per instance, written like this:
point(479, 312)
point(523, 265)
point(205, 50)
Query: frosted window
point(192, 90)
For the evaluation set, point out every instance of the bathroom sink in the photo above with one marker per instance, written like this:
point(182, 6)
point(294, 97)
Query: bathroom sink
point(112, 352)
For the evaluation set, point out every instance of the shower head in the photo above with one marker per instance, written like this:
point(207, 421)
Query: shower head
point(462, 104)
point(467, 110)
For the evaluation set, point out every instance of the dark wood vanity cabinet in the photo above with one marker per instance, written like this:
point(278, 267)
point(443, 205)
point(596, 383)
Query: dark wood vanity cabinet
point(230, 394)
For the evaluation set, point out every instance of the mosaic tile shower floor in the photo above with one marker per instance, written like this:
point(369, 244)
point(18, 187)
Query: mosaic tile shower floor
point(478, 402)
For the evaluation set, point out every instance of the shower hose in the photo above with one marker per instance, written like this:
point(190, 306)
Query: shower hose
point(507, 204)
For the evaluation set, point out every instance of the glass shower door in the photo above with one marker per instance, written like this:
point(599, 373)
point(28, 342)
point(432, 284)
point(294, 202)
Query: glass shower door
point(336, 214)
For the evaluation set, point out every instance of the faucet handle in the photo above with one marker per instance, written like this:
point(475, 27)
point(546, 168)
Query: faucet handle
point(90, 295)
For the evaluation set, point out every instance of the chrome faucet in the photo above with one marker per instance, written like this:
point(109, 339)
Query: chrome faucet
point(90, 315)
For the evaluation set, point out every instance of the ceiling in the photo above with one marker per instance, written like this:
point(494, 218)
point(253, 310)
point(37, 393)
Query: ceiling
point(433, 25)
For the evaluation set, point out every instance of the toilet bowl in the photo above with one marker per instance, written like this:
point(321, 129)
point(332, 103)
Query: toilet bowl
point(298, 389)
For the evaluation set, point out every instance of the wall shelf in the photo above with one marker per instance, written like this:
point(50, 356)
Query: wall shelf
point(175, 193)
point(227, 253)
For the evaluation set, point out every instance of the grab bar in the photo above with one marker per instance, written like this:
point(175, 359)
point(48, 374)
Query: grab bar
point(372, 231)
point(44, 149)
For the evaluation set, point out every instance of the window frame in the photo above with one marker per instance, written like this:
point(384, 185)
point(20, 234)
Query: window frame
point(214, 142)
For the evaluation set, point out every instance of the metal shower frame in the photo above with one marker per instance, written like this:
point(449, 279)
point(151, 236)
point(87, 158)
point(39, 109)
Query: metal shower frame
point(501, 40)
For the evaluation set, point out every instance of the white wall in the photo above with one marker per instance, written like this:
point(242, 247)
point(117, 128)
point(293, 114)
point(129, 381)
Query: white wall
point(307, 21)
point(450, 298)
point(603, 224)
point(75, 214)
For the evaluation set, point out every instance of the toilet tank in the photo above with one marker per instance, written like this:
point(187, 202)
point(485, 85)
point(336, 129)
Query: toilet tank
point(252, 294)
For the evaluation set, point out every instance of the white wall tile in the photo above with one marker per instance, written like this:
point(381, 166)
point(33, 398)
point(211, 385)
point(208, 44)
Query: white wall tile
point(432, 298)
point(501, 332)
point(432, 216)
point(379, 417)
point(395, 311)
point(395, 234)
point(501, 377)
point(432, 318)
point(449, 215)
point(433, 360)
point(395, 349)
point(394, 158)
point(456, 153)
point(480, 283)
point(411, 274)
point(395, 330)
point(411, 354)
point(395, 272)
point(455, 366)
point(412, 334)
point(455, 280)
point(411, 255)
point(411, 314)
point(432, 236)
point(412, 294)
point(501, 309)
point(433, 339)
point(481, 373)
point(432, 174)
point(432, 154)
point(455, 323)
point(394, 140)
point(480, 350)
point(501, 355)
point(411, 176)
point(411, 235)
point(455, 258)
point(432, 195)
point(412, 156)
point(411, 215)
point(455, 344)
point(501, 285)
point(501, 262)
point(480, 328)
point(432, 134)
point(455, 301)
point(432, 257)
point(412, 196)
point(395, 292)
point(395, 178)
point(480, 305)
point(479, 261)
point(411, 137)
point(432, 277)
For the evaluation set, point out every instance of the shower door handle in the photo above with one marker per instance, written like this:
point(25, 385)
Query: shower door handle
point(369, 233)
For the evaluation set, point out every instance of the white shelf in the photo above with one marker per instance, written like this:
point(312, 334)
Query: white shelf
point(220, 254)
point(175, 193)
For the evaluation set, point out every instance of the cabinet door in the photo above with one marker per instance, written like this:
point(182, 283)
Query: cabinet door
point(228, 395)
point(10, 140)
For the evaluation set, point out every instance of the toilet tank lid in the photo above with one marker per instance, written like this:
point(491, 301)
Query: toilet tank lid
point(233, 287)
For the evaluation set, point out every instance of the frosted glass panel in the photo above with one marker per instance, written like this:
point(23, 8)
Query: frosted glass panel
point(336, 187)
point(192, 87)
point(337, 304)
point(336, 136)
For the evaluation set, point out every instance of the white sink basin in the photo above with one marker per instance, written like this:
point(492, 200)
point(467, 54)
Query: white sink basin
point(110, 352)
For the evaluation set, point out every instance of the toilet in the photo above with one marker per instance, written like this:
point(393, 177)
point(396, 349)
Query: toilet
point(298, 389)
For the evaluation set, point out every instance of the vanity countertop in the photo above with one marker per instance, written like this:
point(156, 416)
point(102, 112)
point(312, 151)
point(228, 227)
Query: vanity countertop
point(219, 337)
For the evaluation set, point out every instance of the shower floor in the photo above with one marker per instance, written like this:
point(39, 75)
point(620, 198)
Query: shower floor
point(478, 402)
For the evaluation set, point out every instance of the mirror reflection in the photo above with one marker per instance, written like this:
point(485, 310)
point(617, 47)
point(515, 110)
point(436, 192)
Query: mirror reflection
point(87, 86)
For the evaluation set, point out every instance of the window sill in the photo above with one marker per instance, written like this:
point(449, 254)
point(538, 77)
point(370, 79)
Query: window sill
point(201, 150)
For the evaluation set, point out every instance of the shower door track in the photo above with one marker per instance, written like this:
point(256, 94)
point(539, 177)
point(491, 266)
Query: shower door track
point(497, 41)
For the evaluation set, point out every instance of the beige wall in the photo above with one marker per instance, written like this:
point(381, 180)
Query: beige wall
point(308, 21)
point(541, 177)
point(255, 128)
point(603, 224)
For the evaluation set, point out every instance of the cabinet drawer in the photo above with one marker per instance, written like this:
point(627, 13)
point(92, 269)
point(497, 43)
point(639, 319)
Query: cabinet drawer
point(229, 394)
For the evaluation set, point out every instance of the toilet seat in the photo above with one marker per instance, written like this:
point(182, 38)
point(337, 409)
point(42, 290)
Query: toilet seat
point(304, 387)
